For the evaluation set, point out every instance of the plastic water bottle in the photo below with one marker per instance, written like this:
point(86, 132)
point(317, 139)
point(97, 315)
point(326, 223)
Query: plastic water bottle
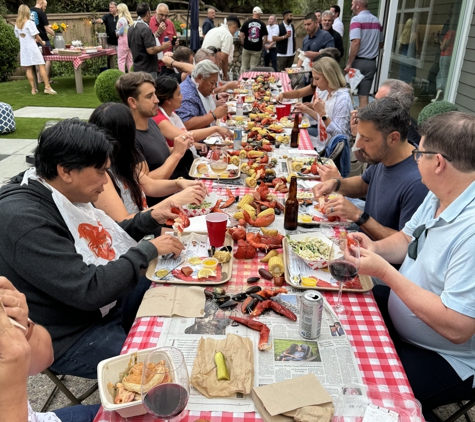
point(239, 106)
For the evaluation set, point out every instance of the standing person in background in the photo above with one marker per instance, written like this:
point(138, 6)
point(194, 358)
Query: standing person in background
point(318, 15)
point(222, 37)
point(27, 33)
point(253, 36)
point(163, 27)
point(367, 38)
point(446, 50)
point(38, 16)
point(208, 23)
point(143, 44)
point(316, 38)
point(285, 42)
point(270, 50)
point(124, 55)
point(327, 22)
point(110, 21)
point(337, 23)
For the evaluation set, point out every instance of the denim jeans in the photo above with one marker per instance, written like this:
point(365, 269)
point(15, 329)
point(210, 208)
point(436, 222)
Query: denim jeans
point(78, 413)
point(104, 340)
point(433, 380)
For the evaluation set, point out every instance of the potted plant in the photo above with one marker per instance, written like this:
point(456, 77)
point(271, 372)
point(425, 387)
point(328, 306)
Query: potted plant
point(58, 37)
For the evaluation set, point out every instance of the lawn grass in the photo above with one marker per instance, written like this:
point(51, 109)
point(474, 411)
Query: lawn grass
point(18, 94)
point(26, 128)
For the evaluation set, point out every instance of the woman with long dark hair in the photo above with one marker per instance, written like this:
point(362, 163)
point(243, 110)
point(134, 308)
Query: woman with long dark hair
point(169, 97)
point(125, 195)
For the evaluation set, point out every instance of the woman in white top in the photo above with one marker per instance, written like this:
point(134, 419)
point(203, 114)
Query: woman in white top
point(30, 56)
point(332, 104)
point(124, 55)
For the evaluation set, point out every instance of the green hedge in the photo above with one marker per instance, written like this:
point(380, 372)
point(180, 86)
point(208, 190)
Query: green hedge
point(8, 51)
point(105, 86)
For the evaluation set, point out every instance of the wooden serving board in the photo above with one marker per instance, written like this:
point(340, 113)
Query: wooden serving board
point(366, 281)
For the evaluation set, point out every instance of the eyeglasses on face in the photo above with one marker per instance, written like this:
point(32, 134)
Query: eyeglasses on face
point(417, 155)
point(163, 15)
point(412, 248)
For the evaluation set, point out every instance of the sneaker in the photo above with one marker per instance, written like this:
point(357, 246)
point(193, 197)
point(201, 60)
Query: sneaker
point(440, 94)
point(50, 91)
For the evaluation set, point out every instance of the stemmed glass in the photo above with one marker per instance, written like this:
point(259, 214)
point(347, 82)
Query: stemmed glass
point(219, 161)
point(165, 384)
point(343, 265)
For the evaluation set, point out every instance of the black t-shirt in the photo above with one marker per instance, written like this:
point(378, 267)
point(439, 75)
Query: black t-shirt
point(254, 30)
point(111, 23)
point(208, 24)
point(140, 37)
point(38, 16)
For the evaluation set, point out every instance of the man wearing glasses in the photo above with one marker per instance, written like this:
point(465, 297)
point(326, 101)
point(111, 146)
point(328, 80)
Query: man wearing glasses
point(392, 184)
point(163, 27)
point(429, 306)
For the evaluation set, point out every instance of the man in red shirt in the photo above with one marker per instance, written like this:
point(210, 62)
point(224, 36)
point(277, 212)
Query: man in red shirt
point(162, 27)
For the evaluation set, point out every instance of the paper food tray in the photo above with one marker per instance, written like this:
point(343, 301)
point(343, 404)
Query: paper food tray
point(354, 400)
point(196, 245)
point(322, 276)
point(210, 175)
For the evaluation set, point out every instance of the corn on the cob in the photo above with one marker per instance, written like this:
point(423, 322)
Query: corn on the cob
point(268, 211)
point(246, 199)
point(252, 212)
point(242, 154)
point(235, 160)
point(251, 182)
point(254, 154)
point(276, 266)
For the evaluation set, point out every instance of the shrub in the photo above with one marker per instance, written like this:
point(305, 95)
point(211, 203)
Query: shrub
point(439, 107)
point(105, 86)
point(9, 51)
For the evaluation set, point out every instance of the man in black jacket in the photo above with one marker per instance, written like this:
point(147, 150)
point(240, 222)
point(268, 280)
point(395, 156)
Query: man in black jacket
point(327, 24)
point(285, 42)
point(87, 308)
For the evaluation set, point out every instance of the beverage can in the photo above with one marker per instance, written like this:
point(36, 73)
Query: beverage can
point(166, 39)
point(237, 139)
point(311, 310)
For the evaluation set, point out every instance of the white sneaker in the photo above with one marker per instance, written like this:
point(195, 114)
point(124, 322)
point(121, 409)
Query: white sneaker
point(440, 94)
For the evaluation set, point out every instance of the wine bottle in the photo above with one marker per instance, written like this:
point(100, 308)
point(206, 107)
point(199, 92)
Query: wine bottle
point(294, 136)
point(291, 210)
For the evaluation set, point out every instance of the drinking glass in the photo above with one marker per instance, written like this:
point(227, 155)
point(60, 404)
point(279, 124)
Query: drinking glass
point(165, 384)
point(343, 265)
point(219, 161)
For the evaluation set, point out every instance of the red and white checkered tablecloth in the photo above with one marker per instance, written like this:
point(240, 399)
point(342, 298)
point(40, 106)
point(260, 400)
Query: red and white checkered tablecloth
point(78, 60)
point(374, 350)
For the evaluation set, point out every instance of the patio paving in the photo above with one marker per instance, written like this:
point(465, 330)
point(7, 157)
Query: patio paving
point(54, 112)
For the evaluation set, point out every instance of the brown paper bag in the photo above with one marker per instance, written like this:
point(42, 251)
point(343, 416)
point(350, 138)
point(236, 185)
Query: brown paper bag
point(239, 360)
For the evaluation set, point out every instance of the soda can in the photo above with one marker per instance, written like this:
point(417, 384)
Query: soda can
point(166, 39)
point(238, 139)
point(311, 309)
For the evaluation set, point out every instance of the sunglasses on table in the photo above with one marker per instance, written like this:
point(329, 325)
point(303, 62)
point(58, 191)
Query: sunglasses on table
point(412, 248)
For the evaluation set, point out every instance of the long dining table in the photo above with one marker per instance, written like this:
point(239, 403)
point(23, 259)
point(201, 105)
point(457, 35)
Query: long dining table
point(373, 348)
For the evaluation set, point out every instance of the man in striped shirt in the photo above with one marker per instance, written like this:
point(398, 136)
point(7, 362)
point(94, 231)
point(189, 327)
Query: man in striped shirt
point(366, 35)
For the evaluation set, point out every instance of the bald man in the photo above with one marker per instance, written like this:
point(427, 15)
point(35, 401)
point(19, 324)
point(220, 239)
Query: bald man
point(162, 27)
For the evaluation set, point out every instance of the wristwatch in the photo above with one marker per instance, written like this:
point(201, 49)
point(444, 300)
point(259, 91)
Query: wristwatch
point(363, 219)
point(324, 117)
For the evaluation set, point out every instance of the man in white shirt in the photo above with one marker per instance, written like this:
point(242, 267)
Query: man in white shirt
point(270, 50)
point(337, 23)
point(222, 39)
point(285, 42)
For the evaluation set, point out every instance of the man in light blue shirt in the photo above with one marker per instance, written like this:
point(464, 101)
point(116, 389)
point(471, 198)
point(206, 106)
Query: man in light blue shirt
point(429, 306)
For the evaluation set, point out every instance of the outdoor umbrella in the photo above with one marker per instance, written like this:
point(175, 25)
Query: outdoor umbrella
point(194, 17)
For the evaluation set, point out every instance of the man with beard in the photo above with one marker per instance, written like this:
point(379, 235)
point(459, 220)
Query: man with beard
point(316, 38)
point(285, 42)
point(392, 184)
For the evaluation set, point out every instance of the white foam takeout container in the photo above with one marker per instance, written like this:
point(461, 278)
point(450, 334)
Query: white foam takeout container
point(108, 371)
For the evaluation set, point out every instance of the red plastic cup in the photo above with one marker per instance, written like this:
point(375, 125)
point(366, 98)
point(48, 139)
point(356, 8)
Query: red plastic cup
point(216, 224)
point(281, 111)
point(287, 108)
point(289, 32)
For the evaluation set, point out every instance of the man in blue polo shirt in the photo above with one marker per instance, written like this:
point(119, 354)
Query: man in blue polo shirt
point(316, 39)
point(429, 306)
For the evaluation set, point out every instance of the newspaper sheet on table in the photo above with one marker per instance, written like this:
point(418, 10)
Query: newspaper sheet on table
point(331, 358)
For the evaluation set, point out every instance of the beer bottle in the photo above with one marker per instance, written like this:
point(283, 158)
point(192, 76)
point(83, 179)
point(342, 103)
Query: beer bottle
point(294, 136)
point(291, 211)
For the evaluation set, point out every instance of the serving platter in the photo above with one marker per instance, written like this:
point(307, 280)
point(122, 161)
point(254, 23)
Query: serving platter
point(196, 246)
point(233, 172)
point(296, 269)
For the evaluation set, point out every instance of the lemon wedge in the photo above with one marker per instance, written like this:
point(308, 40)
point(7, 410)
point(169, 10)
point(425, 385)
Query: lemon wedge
point(306, 218)
point(308, 282)
point(161, 273)
point(206, 272)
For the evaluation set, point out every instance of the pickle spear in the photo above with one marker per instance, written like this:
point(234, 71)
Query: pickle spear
point(222, 372)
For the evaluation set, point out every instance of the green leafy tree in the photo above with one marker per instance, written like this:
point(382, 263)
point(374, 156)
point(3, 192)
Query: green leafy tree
point(9, 51)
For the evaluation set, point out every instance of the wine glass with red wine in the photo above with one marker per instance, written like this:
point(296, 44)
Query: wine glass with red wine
point(165, 384)
point(343, 265)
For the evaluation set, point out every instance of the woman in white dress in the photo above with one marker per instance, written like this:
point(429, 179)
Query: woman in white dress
point(27, 33)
